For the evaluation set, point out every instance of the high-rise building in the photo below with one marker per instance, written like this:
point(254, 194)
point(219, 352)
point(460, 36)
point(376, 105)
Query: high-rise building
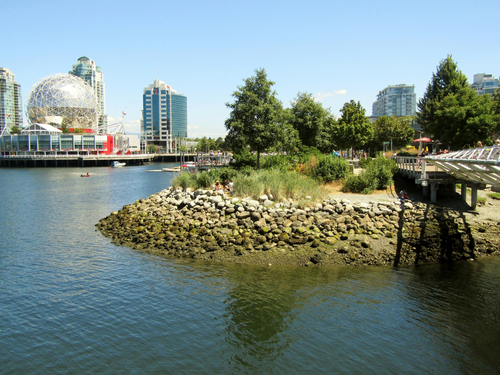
point(395, 100)
point(484, 83)
point(87, 70)
point(164, 115)
point(11, 110)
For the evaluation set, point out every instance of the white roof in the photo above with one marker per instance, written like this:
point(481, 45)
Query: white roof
point(41, 129)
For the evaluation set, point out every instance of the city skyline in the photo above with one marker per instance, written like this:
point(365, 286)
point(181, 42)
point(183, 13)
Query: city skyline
point(337, 52)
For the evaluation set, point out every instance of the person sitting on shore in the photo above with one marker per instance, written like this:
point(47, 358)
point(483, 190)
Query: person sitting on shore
point(403, 195)
point(218, 186)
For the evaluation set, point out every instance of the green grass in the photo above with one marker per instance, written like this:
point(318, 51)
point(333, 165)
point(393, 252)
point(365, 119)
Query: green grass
point(481, 201)
point(281, 185)
point(494, 195)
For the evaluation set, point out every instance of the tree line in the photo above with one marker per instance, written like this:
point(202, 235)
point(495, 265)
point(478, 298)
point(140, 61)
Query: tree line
point(450, 111)
point(258, 122)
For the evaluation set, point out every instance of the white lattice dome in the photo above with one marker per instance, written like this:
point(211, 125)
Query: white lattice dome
point(63, 100)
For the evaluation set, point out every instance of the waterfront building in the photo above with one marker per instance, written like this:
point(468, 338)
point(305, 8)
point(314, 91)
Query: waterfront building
point(87, 70)
point(485, 83)
point(164, 116)
point(11, 112)
point(63, 113)
point(43, 139)
point(395, 100)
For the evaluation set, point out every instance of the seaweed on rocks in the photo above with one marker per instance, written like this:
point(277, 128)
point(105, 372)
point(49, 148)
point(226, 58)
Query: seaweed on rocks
point(212, 226)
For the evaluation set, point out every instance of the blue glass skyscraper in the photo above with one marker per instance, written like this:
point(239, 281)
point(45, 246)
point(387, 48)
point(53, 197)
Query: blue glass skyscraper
point(164, 115)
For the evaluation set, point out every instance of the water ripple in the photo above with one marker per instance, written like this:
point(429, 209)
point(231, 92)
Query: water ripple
point(72, 302)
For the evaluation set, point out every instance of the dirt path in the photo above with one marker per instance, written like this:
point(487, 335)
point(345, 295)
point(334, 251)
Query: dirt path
point(490, 211)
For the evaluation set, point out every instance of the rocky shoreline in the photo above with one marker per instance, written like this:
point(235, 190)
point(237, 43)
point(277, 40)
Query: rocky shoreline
point(212, 226)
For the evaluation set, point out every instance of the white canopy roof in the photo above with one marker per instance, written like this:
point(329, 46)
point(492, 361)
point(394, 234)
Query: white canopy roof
point(41, 129)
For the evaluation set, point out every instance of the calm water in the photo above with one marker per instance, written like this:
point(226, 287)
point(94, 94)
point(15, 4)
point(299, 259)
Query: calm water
point(72, 302)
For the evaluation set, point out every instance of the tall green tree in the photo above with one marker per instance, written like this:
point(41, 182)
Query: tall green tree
point(312, 122)
point(287, 137)
point(447, 80)
point(496, 101)
point(353, 129)
point(466, 118)
point(395, 129)
point(256, 118)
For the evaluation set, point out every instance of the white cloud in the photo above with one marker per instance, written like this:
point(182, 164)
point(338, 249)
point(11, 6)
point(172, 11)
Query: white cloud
point(321, 95)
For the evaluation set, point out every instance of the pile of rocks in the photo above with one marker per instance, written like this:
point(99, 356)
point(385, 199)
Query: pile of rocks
point(210, 225)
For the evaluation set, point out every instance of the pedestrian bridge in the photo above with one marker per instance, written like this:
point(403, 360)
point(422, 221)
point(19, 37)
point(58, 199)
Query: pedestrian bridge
point(479, 165)
point(473, 168)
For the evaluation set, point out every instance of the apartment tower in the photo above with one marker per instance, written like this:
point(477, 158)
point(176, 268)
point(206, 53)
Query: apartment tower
point(396, 100)
point(11, 110)
point(87, 70)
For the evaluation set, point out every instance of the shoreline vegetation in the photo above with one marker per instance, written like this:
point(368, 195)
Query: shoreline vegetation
point(329, 230)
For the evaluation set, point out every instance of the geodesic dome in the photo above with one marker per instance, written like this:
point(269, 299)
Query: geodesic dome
point(63, 100)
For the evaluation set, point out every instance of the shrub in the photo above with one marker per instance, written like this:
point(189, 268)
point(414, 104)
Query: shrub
point(310, 166)
point(331, 169)
point(185, 180)
point(244, 158)
point(381, 174)
point(364, 183)
point(365, 162)
point(204, 180)
point(382, 170)
point(387, 162)
point(227, 174)
point(281, 162)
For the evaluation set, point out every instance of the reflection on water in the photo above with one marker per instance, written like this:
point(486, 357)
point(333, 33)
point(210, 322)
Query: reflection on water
point(70, 301)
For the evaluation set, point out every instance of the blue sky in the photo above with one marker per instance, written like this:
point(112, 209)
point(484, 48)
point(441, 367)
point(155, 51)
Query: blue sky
point(336, 50)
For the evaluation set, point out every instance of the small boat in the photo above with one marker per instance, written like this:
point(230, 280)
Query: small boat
point(85, 175)
point(190, 166)
point(174, 169)
point(117, 164)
